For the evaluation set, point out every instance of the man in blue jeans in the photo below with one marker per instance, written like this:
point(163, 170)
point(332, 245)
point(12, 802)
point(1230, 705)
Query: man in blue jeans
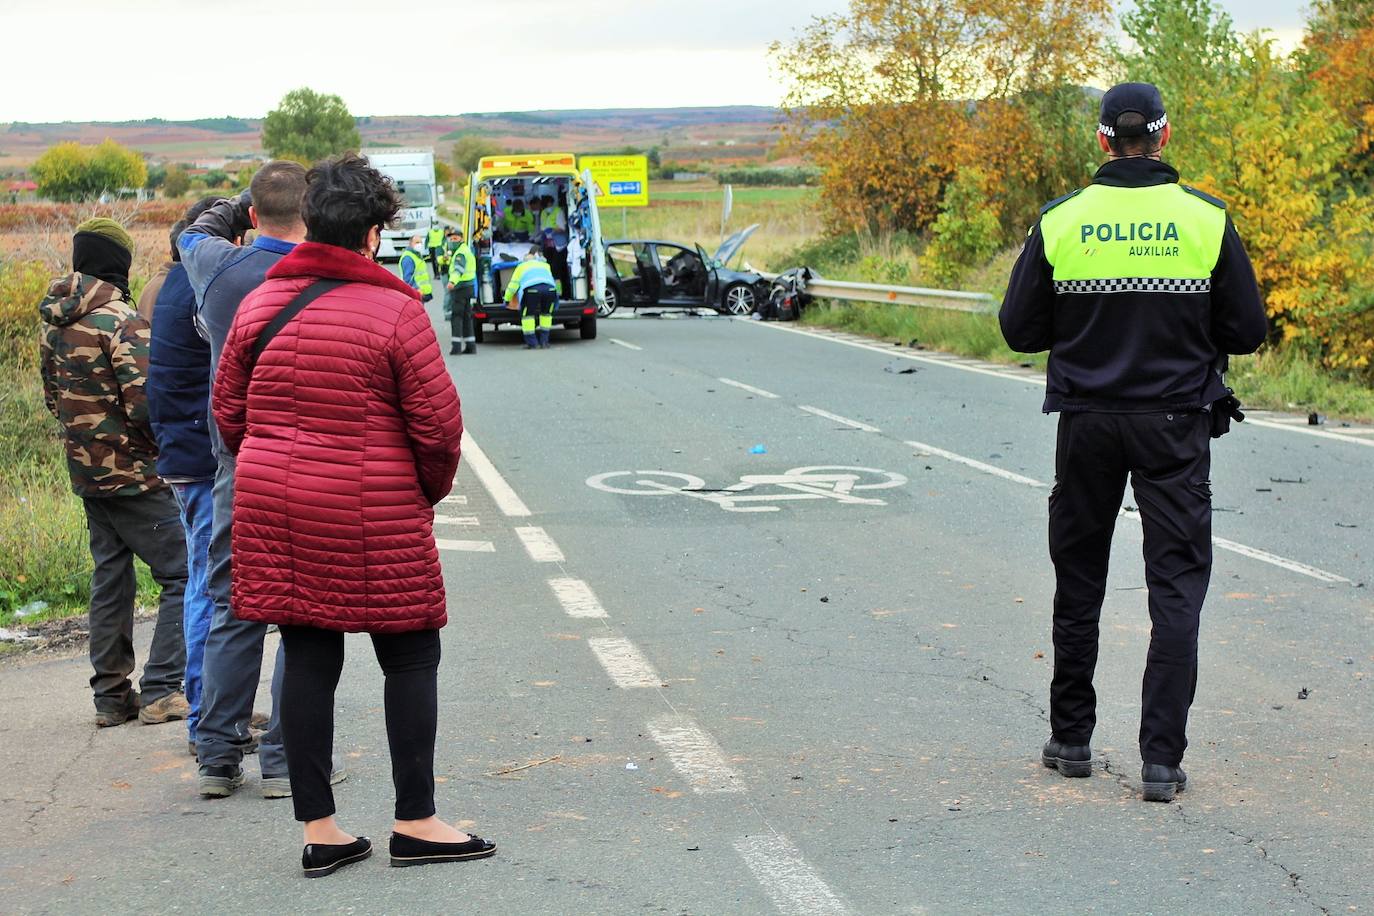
point(178, 404)
point(222, 271)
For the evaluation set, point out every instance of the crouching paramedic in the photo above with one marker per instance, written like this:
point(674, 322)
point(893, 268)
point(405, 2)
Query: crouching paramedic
point(462, 279)
point(1137, 286)
point(532, 284)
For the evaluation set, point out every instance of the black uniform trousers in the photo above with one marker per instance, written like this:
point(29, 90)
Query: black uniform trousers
point(1167, 457)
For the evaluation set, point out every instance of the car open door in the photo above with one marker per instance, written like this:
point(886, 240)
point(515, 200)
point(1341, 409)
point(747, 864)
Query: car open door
point(596, 266)
point(731, 246)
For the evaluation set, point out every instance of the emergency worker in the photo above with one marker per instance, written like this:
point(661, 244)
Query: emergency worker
point(462, 289)
point(414, 270)
point(533, 285)
point(1139, 287)
point(434, 241)
point(517, 221)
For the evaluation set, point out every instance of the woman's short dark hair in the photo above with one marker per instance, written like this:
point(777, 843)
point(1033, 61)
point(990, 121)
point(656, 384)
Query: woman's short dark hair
point(344, 199)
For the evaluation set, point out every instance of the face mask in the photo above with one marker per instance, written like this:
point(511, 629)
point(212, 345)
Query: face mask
point(418, 246)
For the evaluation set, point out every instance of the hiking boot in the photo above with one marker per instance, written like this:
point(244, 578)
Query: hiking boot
point(165, 709)
point(1160, 782)
point(280, 786)
point(118, 715)
point(455, 349)
point(259, 721)
point(220, 781)
point(1068, 759)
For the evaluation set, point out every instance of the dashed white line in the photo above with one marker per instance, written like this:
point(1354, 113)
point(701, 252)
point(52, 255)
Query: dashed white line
point(465, 521)
point(539, 545)
point(695, 755)
point(839, 419)
point(501, 492)
point(465, 546)
point(1235, 547)
point(577, 598)
point(1307, 431)
point(623, 343)
point(976, 465)
point(749, 388)
point(454, 499)
point(794, 886)
point(623, 661)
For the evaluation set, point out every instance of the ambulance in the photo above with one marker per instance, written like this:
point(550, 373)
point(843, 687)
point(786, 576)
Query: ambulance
point(504, 194)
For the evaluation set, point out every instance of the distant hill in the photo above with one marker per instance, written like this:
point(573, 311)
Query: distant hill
point(737, 134)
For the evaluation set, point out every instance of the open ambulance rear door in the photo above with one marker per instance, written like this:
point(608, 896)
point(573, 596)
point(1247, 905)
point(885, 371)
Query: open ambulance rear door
point(596, 254)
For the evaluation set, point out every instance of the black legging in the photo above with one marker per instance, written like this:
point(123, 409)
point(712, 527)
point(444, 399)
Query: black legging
point(314, 661)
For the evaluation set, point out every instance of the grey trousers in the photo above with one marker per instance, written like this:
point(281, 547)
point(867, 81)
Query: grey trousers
point(233, 657)
point(121, 527)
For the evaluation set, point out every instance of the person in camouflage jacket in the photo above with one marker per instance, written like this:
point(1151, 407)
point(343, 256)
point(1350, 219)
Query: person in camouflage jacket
point(94, 362)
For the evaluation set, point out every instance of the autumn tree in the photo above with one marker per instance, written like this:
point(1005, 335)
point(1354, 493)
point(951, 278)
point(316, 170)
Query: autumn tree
point(176, 183)
point(1338, 54)
point(73, 172)
point(309, 126)
point(890, 98)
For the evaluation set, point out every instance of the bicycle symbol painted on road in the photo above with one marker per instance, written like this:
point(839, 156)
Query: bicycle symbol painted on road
point(758, 492)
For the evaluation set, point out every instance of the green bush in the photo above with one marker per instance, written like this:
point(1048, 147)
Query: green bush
point(965, 234)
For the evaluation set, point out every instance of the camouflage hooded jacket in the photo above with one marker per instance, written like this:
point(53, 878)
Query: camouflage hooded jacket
point(94, 364)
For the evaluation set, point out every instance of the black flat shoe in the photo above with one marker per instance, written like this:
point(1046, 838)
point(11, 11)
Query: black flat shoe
point(407, 850)
point(1068, 759)
point(320, 859)
point(1160, 783)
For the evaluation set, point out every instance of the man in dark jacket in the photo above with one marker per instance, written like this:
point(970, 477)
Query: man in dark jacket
point(1138, 286)
point(179, 404)
point(222, 271)
point(94, 364)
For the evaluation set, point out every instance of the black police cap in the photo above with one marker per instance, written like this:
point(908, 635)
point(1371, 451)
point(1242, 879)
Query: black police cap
point(1143, 99)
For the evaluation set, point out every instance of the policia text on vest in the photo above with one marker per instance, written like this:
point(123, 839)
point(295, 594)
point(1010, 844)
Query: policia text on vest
point(1136, 285)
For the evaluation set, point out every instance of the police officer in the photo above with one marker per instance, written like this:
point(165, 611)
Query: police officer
point(414, 270)
point(434, 241)
point(533, 283)
point(1138, 286)
point(462, 288)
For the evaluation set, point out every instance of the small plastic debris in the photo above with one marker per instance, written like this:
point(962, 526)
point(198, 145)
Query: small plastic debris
point(825, 599)
point(632, 766)
point(1038, 654)
point(33, 607)
point(758, 450)
point(1304, 693)
point(694, 849)
point(1348, 660)
point(1315, 419)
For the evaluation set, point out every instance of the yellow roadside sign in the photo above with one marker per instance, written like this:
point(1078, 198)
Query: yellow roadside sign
point(621, 181)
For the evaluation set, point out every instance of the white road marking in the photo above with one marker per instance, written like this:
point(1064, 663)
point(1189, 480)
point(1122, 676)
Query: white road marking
point(695, 755)
point(540, 546)
point(749, 388)
point(501, 492)
point(465, 546)
point(1305, 430)
point(577, 598)
point(454, 499)
point(839, 419)
point(976, 465)
point(466, 521)
point(623, 661)
point(952, 361)
point(794, 886)
point(623, 343)
point(1236, 547)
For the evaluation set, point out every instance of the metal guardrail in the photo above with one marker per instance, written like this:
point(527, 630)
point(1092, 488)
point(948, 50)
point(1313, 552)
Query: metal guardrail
point(919, 296)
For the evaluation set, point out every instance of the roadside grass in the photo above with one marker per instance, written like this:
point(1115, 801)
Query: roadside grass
point(44, 555)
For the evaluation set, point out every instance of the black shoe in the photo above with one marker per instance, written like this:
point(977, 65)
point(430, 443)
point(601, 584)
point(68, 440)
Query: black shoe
point(407, 850)
point(1068, 759)
point(455, 349)
point(219, 781)
point(1160, 782)
point(320, 859)
point(472, 348)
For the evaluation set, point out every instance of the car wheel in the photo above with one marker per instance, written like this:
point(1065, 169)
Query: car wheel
point(588, 328)
point(607, 308)
point(739, 299)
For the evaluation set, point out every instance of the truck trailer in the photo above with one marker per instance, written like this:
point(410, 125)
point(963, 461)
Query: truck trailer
point(412, 171)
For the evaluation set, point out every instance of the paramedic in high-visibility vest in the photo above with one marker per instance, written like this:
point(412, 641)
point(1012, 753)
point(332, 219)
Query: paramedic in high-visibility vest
point(1138, 286)
point(517, 221)
point(414, 270)
point(462, 289)
point(434, 241)
point(535, 293)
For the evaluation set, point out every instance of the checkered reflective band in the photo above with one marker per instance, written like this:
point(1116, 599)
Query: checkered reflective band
point(1133, 285)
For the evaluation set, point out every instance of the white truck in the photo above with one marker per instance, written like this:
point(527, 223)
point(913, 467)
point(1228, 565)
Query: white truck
point(413, 172)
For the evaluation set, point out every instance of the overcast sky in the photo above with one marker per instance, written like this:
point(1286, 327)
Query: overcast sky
point(85, 60)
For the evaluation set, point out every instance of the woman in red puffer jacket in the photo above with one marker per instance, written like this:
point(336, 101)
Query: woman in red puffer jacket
point(346, 426)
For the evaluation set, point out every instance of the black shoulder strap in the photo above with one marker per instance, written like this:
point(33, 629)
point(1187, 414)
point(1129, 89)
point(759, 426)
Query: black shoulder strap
point(290, 310)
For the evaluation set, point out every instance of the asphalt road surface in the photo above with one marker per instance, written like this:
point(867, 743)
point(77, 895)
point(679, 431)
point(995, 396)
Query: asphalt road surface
point(815, 683)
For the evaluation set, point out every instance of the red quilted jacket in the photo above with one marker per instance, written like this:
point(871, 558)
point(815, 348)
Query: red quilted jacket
point(346, 435)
